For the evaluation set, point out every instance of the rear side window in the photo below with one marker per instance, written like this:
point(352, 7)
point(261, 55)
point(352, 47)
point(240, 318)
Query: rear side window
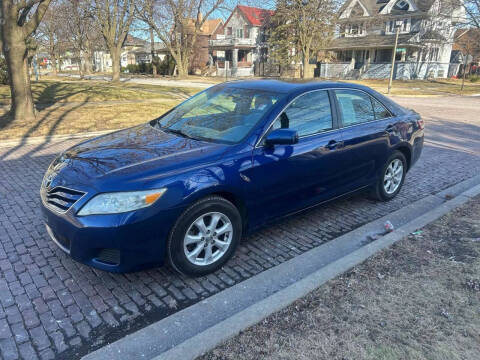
point(380, 111)
point(308, 114)
point(355, 107)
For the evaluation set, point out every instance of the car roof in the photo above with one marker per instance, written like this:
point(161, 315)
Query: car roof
point(288, 87)
point(295, 88)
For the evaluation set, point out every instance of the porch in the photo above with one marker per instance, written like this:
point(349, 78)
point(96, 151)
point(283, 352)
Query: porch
point(233, 56)
point(375, 63)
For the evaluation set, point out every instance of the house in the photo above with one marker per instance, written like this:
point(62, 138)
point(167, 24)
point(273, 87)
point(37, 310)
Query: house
point(366, 33)
point(242, 43)
point(467, 42)
point(134, 51)
point(201, 55)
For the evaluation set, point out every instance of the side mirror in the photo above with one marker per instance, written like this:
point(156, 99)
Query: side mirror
point(281, 137)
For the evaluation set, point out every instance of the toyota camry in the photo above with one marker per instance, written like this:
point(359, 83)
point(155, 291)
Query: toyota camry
point(185, 187)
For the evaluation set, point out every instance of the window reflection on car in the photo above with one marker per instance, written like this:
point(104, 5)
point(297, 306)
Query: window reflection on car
point(221, 114)
point(308, 114)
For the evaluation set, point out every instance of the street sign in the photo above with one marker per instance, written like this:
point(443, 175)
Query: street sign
point(401, 50)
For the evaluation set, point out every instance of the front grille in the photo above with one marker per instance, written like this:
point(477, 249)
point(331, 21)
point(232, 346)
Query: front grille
point(61, 198)
point(109, 256)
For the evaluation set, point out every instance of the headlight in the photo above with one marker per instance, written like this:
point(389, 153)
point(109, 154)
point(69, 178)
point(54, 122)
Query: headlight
point(118, 202)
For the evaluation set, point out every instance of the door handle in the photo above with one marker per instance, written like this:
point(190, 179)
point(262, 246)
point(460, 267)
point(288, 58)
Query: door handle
point(333, 144)
point(390, 128)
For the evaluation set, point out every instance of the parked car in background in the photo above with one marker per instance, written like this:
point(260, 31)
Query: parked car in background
point(185, 187)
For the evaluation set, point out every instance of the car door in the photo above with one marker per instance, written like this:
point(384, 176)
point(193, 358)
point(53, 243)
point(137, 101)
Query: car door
point(365, 130)
point(285, 178)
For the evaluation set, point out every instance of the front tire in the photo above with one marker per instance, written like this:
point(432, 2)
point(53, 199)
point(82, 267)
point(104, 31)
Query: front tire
point(205, 236)
point(391, 178)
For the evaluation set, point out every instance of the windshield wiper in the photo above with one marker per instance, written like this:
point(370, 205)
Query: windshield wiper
point(178, 132)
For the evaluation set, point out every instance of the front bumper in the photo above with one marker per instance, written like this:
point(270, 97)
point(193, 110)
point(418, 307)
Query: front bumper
point(116, 243)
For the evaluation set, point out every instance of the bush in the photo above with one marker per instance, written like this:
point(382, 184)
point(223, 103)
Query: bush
point(164, 67)
point(3, 71)
point(474, 78)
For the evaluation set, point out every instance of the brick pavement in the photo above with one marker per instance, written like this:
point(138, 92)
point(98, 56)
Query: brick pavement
point(52, 307)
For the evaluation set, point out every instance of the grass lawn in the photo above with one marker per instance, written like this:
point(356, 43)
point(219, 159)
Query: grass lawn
point(75, 106)
point(419, 299)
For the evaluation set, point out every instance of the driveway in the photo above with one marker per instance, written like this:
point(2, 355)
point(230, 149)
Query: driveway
point(52, 307)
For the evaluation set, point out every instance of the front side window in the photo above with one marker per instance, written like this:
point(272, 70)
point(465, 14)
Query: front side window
point(308, 114)
point(221, 113)
point(355, 107)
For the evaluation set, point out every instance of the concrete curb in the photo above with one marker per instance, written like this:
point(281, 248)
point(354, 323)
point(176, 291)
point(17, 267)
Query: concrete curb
point(230, 327)
point(202, 326)
point(46, 139)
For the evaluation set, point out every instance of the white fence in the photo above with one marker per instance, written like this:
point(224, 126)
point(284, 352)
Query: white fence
point(403, 70)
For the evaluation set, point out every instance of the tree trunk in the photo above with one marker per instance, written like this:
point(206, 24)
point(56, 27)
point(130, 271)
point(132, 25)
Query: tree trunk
point(115, 54)
point(87, 61)
point(80, 65)
point(306, 62)
point(152, 46)
point(15, 51)
point(53, 59)
point(182, 72)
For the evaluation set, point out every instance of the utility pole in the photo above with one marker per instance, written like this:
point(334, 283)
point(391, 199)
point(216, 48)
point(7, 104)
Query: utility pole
point(465, 62)
point(398, 24)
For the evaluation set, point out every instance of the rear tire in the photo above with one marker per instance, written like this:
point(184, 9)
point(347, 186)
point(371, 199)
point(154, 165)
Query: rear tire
point(391, 178)
point(205, 236)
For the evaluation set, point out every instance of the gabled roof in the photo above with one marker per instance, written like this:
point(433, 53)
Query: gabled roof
point(374, 7)
point(207, 28)
point(255, 16)
point(131, 40)
point(210, 26)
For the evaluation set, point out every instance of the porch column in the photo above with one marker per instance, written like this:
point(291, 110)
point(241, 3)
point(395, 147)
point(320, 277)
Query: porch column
point(352, 62)
point(234, 59)
point(370, 55)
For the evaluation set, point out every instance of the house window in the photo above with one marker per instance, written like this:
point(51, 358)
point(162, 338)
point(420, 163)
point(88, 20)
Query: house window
point(390, 26)
point(246, 31)
point(355, 30)
point(239, 33)
point(229, 30)
point(401, 5)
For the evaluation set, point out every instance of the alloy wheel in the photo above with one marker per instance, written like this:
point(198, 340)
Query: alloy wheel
point(393, 176)
point(208, 238)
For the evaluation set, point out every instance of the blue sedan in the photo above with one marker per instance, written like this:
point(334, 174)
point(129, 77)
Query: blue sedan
point(185, 187)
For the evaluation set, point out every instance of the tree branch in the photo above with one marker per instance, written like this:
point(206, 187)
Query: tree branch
point(34, 21)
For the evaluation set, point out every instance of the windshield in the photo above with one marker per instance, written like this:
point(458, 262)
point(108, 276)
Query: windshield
point(221, 113)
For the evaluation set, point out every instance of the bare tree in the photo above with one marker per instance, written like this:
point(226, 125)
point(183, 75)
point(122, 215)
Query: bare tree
point(114, 18)
point(177, 24)
point(468, 40)
point(472, 9)
point(19, 20)
point(50, 36)
point(83, 32)
point(300, 28)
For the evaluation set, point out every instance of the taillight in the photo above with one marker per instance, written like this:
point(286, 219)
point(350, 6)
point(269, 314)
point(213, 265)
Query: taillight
point(421, 124)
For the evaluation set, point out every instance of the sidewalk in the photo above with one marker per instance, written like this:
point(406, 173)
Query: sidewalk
point(419, 299)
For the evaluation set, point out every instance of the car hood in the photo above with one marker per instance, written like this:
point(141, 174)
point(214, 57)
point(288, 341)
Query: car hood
point(129, 153)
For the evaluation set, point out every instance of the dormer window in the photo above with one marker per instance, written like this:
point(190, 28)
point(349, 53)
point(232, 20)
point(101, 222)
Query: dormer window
point(390, 26)
point(353, 30)
point(401, 5)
